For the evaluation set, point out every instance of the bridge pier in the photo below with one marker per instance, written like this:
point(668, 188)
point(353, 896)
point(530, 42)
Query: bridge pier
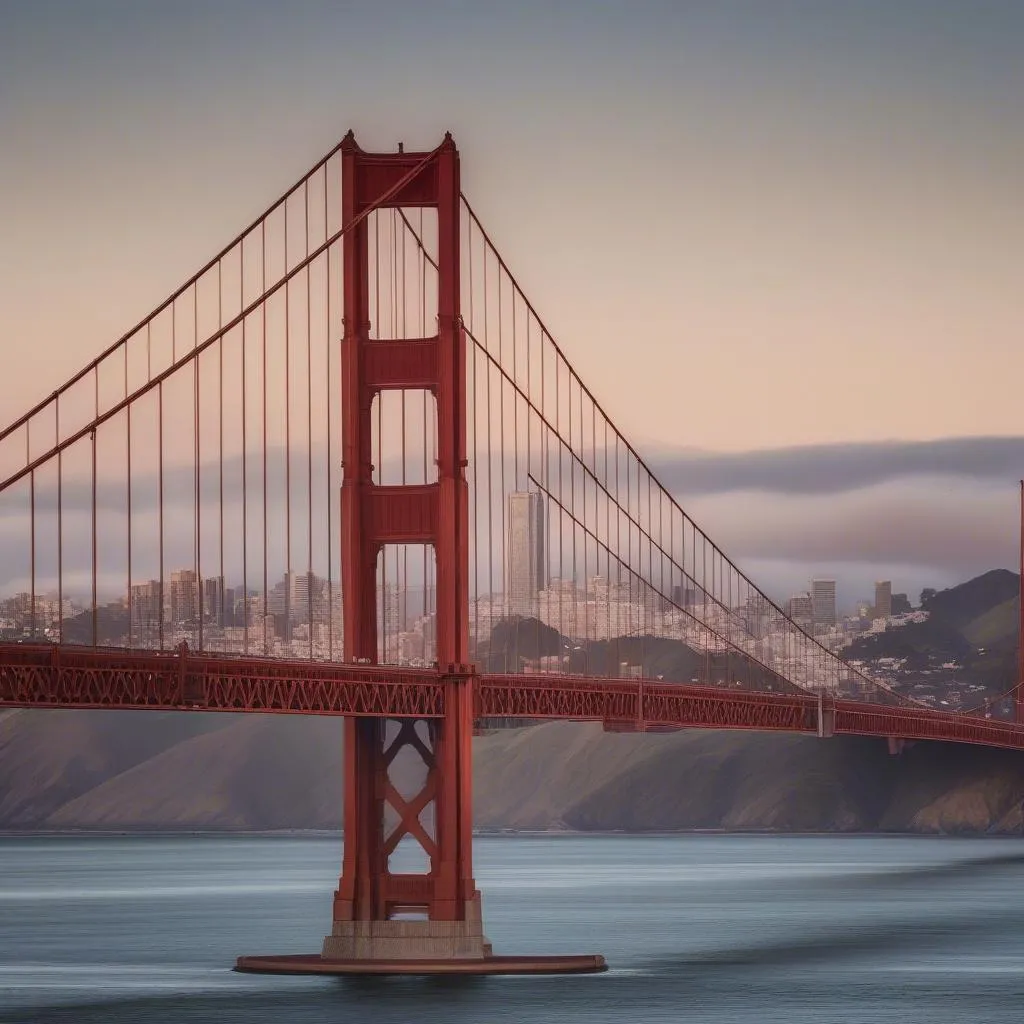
point(406, 923)
point(435, 914)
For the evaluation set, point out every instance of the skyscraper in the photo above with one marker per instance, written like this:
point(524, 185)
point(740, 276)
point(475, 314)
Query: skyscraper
point(213, 599)
point(184, 596)
point(800, 609)
point(883, 599)
point(823, 602)
point(525, 568)
point(147, 604)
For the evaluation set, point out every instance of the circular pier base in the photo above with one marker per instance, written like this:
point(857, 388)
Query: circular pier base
point(312, 963)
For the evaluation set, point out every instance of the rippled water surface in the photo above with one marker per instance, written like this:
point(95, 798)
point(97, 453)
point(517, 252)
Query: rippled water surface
point(695, 928)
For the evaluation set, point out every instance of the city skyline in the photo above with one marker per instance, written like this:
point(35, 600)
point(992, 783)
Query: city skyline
point(289, 597)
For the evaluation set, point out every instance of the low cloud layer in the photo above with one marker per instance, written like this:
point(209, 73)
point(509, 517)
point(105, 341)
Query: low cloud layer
point(923, 513)
point(835, 468)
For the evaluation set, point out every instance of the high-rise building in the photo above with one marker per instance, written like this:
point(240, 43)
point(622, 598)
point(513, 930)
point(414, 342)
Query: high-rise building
point(525, 566)
point(213, 599)
point(883, 599)
point(147, 604)
point(823, 602)
point(799, 609)
point(184, 596)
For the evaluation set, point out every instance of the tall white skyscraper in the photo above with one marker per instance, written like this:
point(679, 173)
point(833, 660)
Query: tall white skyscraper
point(525, 566)
point(823, 602)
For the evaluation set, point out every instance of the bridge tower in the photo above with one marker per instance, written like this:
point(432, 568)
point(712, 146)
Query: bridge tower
point(444, 898)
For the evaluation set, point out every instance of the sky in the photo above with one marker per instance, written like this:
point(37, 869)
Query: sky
point(780, 240)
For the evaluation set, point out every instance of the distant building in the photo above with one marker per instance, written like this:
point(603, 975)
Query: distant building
point(823, 602)
point(213, 599)
point(307, 599)
point(799, 609)
point(147, 604)
point(685, 597)
point(184, 596)
point(525, 566)
point(901, 604)
point(883, 599)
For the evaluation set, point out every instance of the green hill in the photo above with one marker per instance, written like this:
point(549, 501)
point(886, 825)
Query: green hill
point(969, 639)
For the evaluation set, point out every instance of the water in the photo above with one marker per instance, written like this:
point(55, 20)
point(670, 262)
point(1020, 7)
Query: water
point(695, 928)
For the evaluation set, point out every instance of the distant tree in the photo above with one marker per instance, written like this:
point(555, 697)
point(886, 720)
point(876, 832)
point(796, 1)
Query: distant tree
point(927, 594)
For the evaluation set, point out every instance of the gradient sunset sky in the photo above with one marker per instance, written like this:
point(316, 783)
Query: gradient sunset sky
point(753, 226)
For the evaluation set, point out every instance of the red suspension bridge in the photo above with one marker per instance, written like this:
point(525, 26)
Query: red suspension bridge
point(346, 470)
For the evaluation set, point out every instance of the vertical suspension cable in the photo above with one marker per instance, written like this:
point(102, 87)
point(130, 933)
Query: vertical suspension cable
point(309, 431)
point(32, 546)
point(149, 377)
point(160, 499)
point(32, 529)
point(607, 559)
point(381, 567)
point(245, 455)
point(95, 567)
point(614, 557)
point(501, 451)
point(473, 426)
point(95, 550)
point(128, 461)
point(395, 333)
point(574, 513)
point(422, 255)
point(405, 548)
point(289, 582)
point(60, 523)
point(561, 499)
point(545, 456)
point(529, 447)
point(201, 602)
point(426, 400)
point(490, 447)
point(330, 430)
point(263, 333)
point(221, 589)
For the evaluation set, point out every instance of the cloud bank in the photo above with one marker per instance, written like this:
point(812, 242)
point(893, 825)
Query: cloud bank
point(837, 468)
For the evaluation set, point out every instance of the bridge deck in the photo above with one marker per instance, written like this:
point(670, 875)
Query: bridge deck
point(83, 677)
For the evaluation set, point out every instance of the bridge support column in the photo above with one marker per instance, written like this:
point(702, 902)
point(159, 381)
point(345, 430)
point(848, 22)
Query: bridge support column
point(387, 922)
point(435, 914)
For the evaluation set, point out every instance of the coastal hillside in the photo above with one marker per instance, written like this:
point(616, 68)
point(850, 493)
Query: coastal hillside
point(119, 771)
point(967, 644)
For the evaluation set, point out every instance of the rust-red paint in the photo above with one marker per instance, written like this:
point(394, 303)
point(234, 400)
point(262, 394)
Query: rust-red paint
point(373, 516)
point(45, 675)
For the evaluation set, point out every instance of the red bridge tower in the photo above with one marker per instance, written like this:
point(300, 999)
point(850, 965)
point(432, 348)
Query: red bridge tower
point(369, 894)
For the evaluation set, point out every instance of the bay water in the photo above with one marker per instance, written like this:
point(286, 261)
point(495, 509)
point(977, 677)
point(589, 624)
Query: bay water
point(703, 927)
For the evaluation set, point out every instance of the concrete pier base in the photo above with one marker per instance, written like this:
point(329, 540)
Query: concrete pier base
point(406, 940)
point(313, 964)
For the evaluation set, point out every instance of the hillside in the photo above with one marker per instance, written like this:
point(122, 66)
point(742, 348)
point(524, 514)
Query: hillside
point(967, 644)
point(124, 770)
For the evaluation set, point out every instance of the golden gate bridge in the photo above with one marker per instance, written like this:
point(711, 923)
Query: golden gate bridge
point(356, 399)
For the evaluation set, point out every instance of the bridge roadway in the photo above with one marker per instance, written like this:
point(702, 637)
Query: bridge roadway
point(50, 676)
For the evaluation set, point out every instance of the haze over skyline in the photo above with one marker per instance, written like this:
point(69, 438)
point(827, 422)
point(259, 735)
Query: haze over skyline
point(752, 227)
